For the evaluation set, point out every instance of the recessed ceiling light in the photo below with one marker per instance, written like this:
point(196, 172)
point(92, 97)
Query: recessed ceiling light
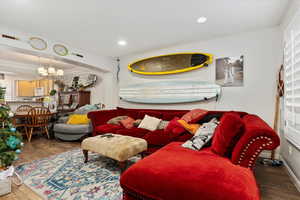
point(201, 20)
point(122, 43)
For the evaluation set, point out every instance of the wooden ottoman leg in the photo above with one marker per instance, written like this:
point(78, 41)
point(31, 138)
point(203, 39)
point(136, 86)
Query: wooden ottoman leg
point(86, 155)
point(122, 165)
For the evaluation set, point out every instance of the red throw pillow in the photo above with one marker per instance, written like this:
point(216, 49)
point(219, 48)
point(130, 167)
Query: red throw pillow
point(128, 122)
point(174, 127)
point(194, 115)
point(227, 134)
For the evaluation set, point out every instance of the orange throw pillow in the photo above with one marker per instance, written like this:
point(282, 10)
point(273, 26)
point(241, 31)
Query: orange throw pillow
point(192, 128)
point(128, 122)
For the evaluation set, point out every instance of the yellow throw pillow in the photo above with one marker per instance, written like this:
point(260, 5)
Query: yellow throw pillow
point(78, 119)
point(192, 128)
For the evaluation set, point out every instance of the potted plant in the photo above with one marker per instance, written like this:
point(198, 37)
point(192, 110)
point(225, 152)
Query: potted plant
point(10, 147)
point(2, 94)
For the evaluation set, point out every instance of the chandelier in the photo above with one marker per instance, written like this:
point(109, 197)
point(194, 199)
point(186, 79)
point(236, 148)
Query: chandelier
point(50, 71)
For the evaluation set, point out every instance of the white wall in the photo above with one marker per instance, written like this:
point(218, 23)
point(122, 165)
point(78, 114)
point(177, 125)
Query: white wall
point(98, 91)
point(262, 58)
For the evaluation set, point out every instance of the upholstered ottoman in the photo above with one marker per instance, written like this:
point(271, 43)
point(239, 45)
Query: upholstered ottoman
point(114, 146)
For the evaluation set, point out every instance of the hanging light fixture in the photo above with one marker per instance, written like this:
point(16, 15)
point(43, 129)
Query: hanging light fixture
point(60, 72)
point(50, 71)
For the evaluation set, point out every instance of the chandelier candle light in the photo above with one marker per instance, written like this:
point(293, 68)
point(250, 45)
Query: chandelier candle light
point(50, 71)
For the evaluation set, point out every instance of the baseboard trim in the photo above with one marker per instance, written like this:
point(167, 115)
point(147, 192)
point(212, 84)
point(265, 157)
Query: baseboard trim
point(292, 174)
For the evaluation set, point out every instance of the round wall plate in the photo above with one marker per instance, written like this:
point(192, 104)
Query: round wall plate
point(37, 43)
point(60, 49)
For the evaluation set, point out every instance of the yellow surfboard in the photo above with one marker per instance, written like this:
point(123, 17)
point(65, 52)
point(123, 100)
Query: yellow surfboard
point(171, 63)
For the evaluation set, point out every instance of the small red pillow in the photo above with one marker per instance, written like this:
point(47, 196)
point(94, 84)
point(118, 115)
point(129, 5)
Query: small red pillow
point(174, 127)
point(227, 134)
point(128, 122)
point(194, 115)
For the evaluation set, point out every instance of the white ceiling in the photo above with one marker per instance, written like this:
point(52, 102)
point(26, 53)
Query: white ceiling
point(96, 25)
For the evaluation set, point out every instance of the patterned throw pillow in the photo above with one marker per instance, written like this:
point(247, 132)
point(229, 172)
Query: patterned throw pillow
point(128, 122)
point(162, 125)
point(137, 122)
point(194, 115)
point(149, 123)
point(202, 136)
point(116, 120)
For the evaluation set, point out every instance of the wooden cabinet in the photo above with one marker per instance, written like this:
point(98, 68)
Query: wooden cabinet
point(70, 101)
point(27, 88)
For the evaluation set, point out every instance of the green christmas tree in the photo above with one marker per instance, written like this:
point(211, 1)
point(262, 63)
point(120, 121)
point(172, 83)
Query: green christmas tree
point(10, 139)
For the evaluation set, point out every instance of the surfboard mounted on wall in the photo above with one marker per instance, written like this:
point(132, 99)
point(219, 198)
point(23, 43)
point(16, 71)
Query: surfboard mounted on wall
point(170, 92)
point(171, 63)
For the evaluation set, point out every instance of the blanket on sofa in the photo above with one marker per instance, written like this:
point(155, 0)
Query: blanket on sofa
point(202, 136)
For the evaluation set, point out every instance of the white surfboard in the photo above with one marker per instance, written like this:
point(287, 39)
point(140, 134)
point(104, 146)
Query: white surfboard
point(169, 92)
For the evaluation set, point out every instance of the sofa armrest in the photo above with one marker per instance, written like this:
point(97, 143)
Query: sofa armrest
point(63, 120)
point(100, 117)
point(258, 136)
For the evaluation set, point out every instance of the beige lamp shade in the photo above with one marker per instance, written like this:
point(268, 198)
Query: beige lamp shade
point(60, 72)
point(51, 70)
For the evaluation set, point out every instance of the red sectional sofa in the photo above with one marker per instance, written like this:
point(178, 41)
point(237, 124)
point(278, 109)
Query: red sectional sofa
point(177, 173)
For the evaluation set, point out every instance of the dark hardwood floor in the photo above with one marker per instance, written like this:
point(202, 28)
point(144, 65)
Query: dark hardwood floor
point(274, 183)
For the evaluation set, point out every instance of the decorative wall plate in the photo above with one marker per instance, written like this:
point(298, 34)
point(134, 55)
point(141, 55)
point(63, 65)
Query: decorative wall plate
point(170, 63)
point(60, 50)
point(170, 92)
point(37, 43)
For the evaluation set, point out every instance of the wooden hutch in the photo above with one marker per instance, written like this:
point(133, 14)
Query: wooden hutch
point(70, 101)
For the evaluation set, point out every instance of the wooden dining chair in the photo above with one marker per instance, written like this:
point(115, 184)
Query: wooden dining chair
point(37, 118)
point(17, 122)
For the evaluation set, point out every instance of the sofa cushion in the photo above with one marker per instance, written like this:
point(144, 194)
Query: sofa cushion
point(227, 134)
point(72, 129)
point(170, 115)
point(116, 120)
point(137, 122)
point(108, 128)
point(134, 132)
point(149, 123)
point(162, 125)
point(76, 119)
point(183, 138)
point(128, 122)
point(186, 174)
point(174, 128)
point(194, 115)
point(157, 137)
point(142, 114)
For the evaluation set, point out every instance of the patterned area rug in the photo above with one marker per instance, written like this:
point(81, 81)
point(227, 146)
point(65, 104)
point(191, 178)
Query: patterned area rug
point(66, 176)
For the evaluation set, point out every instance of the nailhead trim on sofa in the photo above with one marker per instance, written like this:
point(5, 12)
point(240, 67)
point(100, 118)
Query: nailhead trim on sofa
point(251, 162)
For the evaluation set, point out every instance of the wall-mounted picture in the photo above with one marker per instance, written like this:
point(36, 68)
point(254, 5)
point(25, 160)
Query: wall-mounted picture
point(230, 71)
